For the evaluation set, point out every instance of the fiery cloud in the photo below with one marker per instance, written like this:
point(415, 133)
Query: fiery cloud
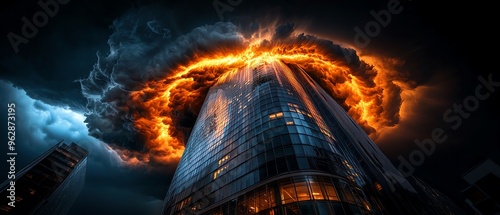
point(145, 95)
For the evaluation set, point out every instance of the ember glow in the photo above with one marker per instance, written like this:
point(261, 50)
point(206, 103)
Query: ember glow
point(370, 89)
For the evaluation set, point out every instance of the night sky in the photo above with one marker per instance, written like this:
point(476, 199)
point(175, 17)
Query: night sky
point(443, 47)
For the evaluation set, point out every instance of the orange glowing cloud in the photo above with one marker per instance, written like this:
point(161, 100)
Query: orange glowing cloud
point(372, 90)
point(144, 97)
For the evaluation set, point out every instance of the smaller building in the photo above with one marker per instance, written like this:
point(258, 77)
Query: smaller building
point(48, 185)
point(483, 194)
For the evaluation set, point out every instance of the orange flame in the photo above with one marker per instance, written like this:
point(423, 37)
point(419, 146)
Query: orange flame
point(162, 103)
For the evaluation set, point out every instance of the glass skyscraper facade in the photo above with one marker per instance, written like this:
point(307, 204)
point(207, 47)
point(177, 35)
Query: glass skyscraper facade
point(50, 184)
point(270, 140)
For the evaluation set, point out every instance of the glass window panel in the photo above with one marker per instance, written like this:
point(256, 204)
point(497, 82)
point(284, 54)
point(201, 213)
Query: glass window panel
point(261, 158)
point(279, 152)
point(302, 190)
point(346, 192)
point(292, 208)
point(316, 190)
point(262, 172)
point(270, 193)
point(271, 168)
point(265, 125)
point(306, 208)
point(312, 162)
point(280, 130)
point(268, 134)
point(269, 155)
point(268, 145)
point(277, 142)
point(262, 200)
point(295, 138)
point(337, 208)
point(292, 130)
point(323, 208)
point(309, 151)
point(250, 202)
point(303, 164)
point(281, 165)
point(330, 191)
point(288, 150)
point(300, 129)
point(292, 163)
point(298, 150)
point(297, 121)
point(304, 138)
point(285, 139)
point(287, 192)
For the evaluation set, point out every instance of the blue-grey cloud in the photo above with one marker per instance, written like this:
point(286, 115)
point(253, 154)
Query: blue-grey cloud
point(141, 50)
point(40, 126)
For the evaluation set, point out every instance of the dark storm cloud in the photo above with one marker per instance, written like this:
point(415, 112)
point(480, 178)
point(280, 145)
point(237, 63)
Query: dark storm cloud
point(40, 126)
point(141, 50)
point(284, 31)
point(62, 51)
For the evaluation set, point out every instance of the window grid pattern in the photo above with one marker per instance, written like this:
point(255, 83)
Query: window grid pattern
point(256, 123)
point(300, 195)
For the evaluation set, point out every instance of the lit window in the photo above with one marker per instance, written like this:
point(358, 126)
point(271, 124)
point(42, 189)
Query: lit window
point(287, 192)
point(224, 159)
point(316, 191)
point(219, 171)
point(331, 193)
point(261, 200)
point(289, 122)
point(302, 192)
point(251, 204)
point(271, 198)
point(348, 165)
point(275, 115)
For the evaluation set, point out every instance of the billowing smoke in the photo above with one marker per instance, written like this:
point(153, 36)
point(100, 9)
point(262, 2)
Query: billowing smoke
point(144, 95)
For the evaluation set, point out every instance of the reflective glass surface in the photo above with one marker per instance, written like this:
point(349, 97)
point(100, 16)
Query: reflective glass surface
point(266, 124)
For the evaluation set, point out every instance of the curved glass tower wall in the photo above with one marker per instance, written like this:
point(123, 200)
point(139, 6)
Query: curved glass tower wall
point(269, 140)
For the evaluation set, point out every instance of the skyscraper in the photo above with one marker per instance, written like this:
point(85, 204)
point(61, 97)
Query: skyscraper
point(48, 185)
point(270, 140)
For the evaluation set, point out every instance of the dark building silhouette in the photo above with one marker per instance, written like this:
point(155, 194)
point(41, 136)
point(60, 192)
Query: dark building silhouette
point(433, 200)
point(48, 185)
point(483, 193)
point(270, 140)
